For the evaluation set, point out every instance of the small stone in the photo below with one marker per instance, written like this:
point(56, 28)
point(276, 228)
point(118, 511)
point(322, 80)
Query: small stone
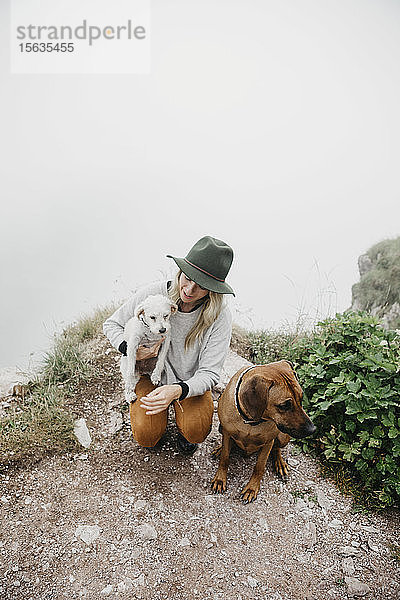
point(71, 579)
point(121, 587)
point(328, 570)
point(213, 538)
point(140, 580)
point(310, 536)
point(28, 500)
point(15, 568)
point(87, 533)
point(17, 583)
point(348, 566)
point(139, 504)
point(336, 524)
point(4, 499)
point(356, 587)
point(185, 542)
point(252, 582)
point(147, 532)
point(82, 457)
point(372, 547)
point(369, 529)
point(300, 504)
point(116, 422)
point(81, 433)
point(128, 584)
point(107, 590)
point(348, 551)
point(264, 525)
point(324, 501)
point(146, 458)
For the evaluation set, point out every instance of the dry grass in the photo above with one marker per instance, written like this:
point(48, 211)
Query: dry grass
point(240, 341)
point(39, 423)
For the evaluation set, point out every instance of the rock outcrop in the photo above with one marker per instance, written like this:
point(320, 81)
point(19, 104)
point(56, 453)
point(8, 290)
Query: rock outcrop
point(378, 290)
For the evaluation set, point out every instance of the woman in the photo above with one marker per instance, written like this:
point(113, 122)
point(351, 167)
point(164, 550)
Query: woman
point(200, 336)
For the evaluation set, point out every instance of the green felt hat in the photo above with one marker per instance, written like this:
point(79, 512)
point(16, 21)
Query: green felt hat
point(207, 264)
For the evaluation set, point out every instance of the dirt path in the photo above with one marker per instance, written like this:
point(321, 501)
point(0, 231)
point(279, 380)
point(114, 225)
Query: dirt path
point(156, 531)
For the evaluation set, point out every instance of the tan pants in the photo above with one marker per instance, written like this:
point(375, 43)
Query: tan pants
point(194, 422)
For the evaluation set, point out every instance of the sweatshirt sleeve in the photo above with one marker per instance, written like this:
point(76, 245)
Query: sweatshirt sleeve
point(213, 353)
point(113, 327)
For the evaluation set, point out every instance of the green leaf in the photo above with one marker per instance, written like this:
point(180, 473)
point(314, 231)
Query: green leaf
point(350, 426)
point(324, 405)
point(340, 378)
point(388, 419)
point(353, 386)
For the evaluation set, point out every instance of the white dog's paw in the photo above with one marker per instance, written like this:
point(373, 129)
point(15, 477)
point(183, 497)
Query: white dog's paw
point(155, 378)
point(130, 395)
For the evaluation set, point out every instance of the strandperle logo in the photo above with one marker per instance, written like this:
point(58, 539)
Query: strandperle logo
point(72, 37)
point(84, 31)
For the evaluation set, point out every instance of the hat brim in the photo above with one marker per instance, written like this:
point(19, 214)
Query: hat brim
point(202, 279)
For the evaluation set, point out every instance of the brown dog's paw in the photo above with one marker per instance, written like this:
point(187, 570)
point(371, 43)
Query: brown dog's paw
point(218, 484)
point(249, 493)
point(217, 451)
point(281, 467)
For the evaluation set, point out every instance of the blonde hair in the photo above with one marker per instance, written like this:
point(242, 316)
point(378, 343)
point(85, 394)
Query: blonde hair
point(210, 311)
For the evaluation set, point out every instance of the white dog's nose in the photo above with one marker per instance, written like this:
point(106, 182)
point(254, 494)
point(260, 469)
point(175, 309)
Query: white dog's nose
point(162, 330)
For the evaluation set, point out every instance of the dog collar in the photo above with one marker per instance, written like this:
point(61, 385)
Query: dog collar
point(245, 418)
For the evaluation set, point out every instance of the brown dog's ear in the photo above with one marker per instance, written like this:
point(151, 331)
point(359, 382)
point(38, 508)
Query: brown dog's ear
point(288, 362)
point(253, 395)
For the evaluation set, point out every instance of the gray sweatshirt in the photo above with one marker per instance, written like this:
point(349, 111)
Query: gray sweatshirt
point(199, 366)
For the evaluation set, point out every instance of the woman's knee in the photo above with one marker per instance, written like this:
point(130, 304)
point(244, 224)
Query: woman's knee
point(195, 434)
point(146, 429)
point(195, 421)
point(146, 439)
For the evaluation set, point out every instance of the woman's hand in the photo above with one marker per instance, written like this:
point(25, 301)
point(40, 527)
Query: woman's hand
point(143, 353)
point(160, 398)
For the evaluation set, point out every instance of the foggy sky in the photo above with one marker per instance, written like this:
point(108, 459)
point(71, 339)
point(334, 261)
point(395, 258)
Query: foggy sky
point(271, 125)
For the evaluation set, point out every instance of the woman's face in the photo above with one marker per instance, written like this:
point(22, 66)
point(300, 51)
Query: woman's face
point(190, 292)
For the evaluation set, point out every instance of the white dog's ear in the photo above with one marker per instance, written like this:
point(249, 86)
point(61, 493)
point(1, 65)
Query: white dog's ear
point(174, 308)
point(139, 310)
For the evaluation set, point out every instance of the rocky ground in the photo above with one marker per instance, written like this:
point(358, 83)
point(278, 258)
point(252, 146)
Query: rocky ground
point(119, 521)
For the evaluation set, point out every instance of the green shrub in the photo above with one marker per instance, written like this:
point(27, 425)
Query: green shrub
point(350, 374)
point(349, 369)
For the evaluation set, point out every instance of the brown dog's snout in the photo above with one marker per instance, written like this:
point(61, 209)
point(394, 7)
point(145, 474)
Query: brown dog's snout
point(306, 429)
point(309, 429)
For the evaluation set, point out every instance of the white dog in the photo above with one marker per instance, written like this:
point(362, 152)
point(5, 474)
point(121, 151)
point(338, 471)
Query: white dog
point(148, 326)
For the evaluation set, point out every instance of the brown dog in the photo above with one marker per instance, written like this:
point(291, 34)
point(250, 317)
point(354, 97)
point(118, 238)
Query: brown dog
point(260, 409)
